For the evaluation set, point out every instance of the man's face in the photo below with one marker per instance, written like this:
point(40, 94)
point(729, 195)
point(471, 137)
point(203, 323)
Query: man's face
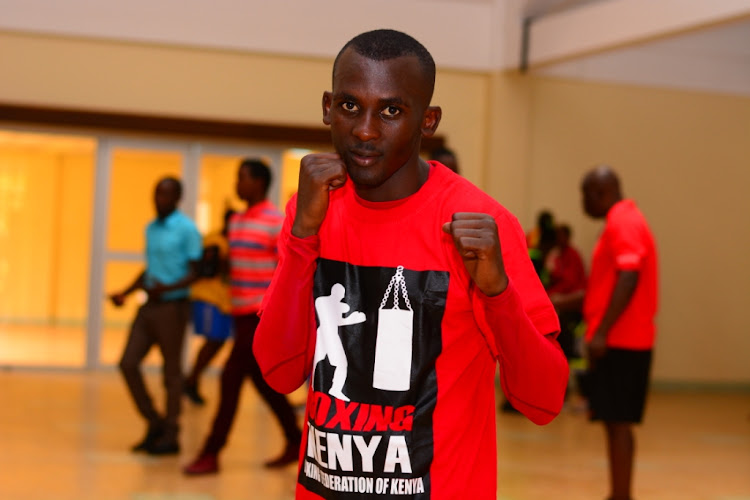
point(246, 186)
point(592, 199)
point(377, 116)
point(165, 198)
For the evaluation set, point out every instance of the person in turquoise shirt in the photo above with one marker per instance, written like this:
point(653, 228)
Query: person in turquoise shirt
point(173, 250)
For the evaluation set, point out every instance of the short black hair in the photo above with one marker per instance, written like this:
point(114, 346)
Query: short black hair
point(176, 184)
point(258, 169)
point(545, 219)
point(385, 44)
point(441, 151)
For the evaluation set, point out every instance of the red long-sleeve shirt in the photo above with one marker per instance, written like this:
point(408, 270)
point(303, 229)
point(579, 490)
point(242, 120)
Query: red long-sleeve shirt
point(402, 403)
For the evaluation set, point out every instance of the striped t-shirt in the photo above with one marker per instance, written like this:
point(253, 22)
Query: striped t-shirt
point(252, 254)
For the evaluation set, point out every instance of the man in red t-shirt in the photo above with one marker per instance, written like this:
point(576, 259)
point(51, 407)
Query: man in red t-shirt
point(619, 309)
point(253, 237)
point(399, 289)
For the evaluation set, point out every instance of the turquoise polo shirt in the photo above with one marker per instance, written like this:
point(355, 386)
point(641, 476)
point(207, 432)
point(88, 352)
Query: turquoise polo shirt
point(171, 244)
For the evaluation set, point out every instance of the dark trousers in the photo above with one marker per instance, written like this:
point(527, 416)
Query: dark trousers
point(241, 363)
point(163, 324)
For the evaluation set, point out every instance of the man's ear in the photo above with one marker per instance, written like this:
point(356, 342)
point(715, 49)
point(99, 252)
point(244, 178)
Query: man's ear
point(327, 100)
point(431, 120)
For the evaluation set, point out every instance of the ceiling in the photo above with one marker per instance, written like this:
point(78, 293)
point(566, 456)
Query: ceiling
point(474, 35)
point(711, 59)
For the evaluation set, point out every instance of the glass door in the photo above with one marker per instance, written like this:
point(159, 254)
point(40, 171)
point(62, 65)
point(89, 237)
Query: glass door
point(46, 205)
point(132, 170)
point(73, 213)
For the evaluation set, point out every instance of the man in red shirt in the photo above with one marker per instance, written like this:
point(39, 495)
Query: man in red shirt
point(619, 309)
point(407, 285)
point(253, 256)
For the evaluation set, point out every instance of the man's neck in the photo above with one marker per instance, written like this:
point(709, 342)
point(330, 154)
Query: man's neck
point(164, 216)
point(251, 202)
point(398, 191)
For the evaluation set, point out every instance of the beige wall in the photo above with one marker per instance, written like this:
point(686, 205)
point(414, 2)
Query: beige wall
point(683, 156)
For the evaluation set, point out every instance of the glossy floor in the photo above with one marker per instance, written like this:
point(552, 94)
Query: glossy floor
point(66, 436)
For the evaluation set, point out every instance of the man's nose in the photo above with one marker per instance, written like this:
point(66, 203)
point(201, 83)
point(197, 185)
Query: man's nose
point(367, 127)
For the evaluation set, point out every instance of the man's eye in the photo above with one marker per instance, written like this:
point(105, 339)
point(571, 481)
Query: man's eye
point(349, 106)
point(391, 111)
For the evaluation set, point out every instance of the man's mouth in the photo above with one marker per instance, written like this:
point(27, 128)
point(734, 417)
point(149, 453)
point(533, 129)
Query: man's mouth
point(364, 158)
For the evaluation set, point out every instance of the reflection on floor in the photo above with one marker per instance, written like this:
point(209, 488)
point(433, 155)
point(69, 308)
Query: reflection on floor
point(65, 346)
point(66, 436)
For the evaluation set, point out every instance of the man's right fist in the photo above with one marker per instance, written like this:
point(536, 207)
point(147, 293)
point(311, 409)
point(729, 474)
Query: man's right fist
point(319, 174)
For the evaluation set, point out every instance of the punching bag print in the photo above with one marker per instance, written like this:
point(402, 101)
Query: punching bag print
point(393, 348)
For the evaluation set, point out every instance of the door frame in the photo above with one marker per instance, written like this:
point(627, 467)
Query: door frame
point(192, 153)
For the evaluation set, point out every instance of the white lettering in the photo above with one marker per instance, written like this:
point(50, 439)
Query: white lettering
point(379, 485)
point(311, 448)
point(407, 486)
point(341, 451)
point(397, 453)
point(320, 437)
point(365, 485)
point(367, 450)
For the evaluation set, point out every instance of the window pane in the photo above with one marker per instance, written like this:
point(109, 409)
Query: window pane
point(131, 194)
point(46, 196)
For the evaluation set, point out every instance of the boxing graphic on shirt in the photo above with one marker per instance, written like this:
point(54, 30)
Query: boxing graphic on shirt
point(331, 310)
point(373, 381)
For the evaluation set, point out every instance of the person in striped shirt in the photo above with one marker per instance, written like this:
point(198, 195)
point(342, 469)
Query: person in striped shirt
point(252, 260)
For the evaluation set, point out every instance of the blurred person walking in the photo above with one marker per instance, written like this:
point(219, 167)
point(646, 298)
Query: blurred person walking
point(211, 306)
point(173, 249)
point(253, 258)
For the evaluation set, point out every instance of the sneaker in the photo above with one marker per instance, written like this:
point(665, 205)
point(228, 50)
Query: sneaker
point(153, 434)
point(206, 463)
point(191, 391)
point(164, 446)
point(289, 456)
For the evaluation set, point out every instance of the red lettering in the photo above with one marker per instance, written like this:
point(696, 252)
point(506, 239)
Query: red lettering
point(380, 417)
point(353, 416)
point(362, 414)
point(342, 415)
point(321, 403)
point(403, 418)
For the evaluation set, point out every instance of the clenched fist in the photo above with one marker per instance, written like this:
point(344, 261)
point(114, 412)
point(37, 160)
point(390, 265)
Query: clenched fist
point(476, 239)
point(319, 174)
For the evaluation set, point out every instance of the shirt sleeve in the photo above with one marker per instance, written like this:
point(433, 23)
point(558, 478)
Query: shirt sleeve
point(627, 244)
point(521, 327)
point(284, 343)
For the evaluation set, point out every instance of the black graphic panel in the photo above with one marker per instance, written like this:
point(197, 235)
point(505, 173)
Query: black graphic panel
point(374, 383)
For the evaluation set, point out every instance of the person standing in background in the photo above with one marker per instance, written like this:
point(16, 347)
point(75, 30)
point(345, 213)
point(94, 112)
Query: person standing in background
point(545, 224)
point(253, 257)
point(445, 156)
point(566, 287)
point(619, 309)
point(211, 305)
point(173, 249)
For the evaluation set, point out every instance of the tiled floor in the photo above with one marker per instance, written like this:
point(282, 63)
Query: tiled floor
point(66, 436)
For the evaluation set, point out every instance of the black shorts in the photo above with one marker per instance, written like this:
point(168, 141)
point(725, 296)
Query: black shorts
point(617, 386)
